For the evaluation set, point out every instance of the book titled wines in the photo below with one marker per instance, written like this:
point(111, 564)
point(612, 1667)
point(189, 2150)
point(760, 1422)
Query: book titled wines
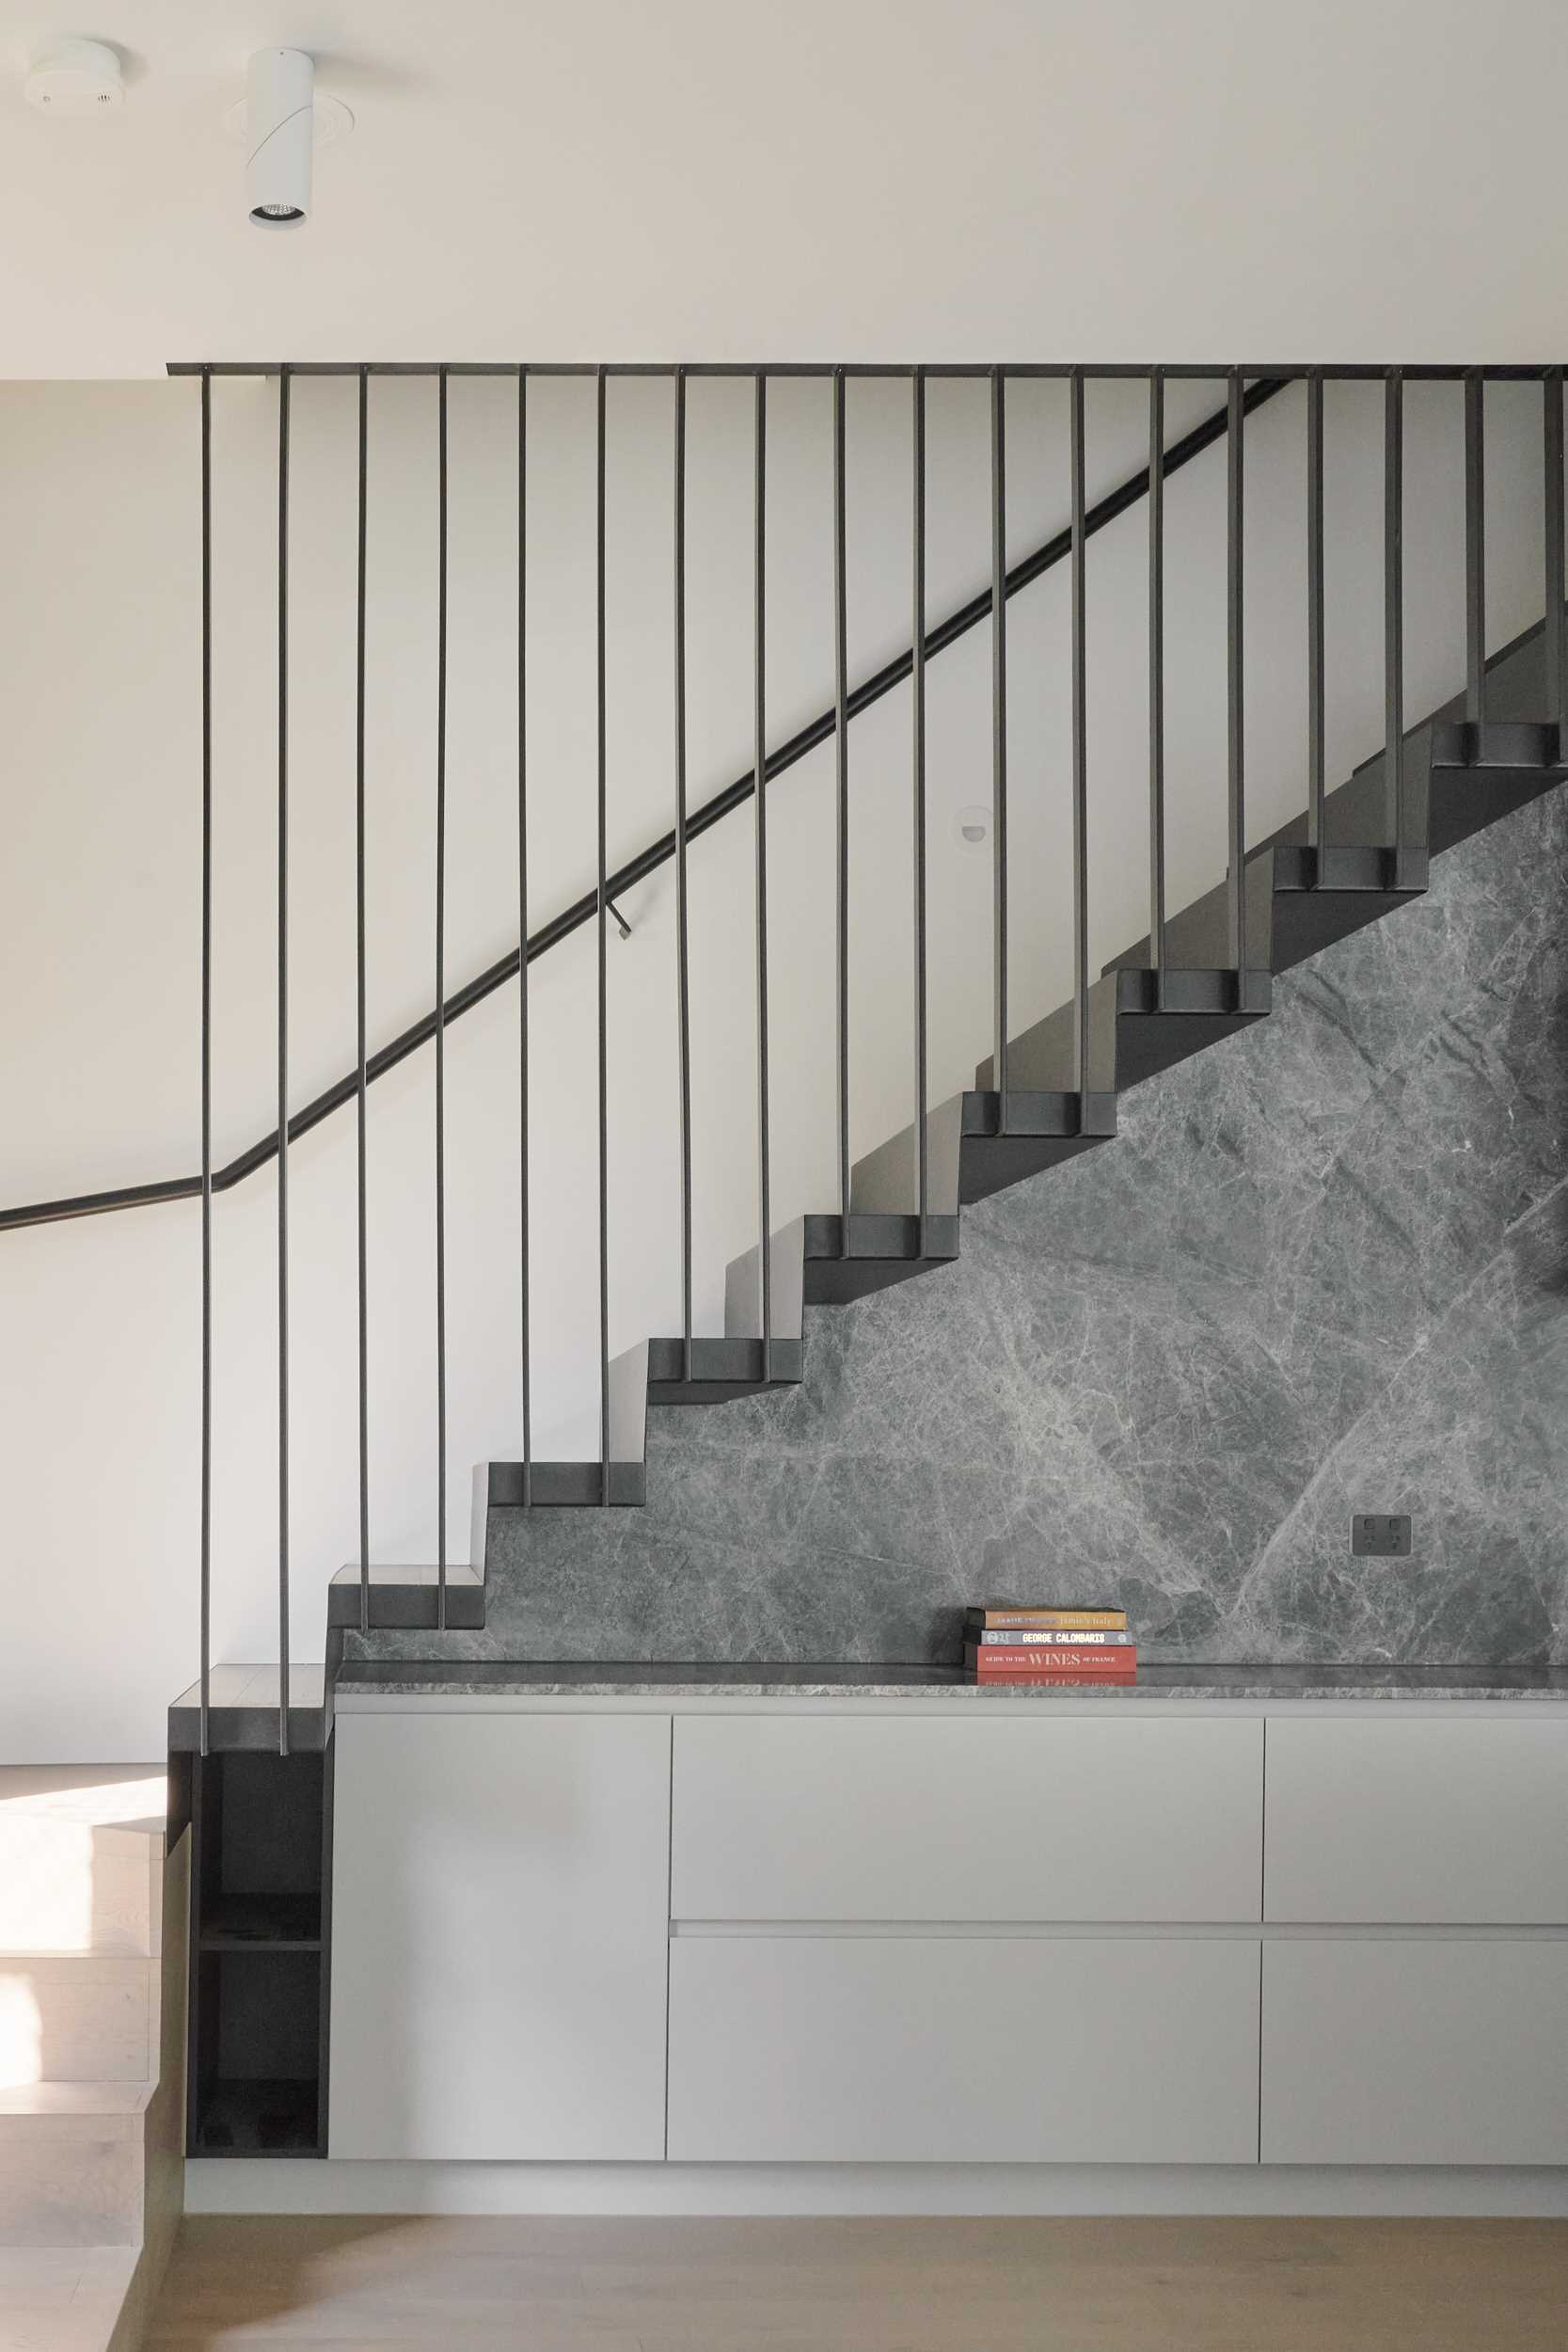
point(1022, 1659)
point(1040, 1637)
point(1049, 1618)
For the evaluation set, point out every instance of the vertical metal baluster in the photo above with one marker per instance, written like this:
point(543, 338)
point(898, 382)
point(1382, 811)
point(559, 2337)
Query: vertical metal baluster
point(525, 1305)
point(1393, 601)
point(1551, 448)
point(1236, 723)
point(441, 1011)
point(922, 1148)
point(1157, 681)
point(1079, 750)
point(998, 728)
point(759, 685)
point(683, 958)
point(1474, 548)
point(283, 387)
point(599, 641)
point(1316, 758)
point(361, 1105)
point(841, 754)
point(206, 1053)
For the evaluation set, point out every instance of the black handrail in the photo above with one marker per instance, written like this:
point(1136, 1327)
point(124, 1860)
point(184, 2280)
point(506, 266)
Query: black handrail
point(806, 739)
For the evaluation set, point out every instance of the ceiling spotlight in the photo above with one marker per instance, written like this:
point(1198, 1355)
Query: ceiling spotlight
point(282, 119)
point(79, 78)
point(972, 826)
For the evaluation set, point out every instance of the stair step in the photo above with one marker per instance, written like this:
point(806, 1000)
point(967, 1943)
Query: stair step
point(1483, 772)
point(93, 2099)
point(75, 1886)
point(243, 1710)
point(1036, 1129)
point(1321, 895)
point(65, 2298)
point(878, 1249)
point(566, 1485)
point(721, 1369)
point(1163, 1019)
point(408, 1598)
point(75, 2017)
point(71, 2161)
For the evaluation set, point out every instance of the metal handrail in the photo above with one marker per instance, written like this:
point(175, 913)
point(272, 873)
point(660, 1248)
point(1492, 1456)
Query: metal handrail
point(817, 731)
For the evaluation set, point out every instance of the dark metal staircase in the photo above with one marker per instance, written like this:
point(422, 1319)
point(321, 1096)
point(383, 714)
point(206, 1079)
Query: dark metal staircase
point(1299, 899)
point(1050, 1089)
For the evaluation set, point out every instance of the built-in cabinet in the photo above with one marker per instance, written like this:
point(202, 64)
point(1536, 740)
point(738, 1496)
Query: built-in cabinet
point(857, 1818)
point(774, 1934)
point(1406, 2050)
point(500, 1936)
point(980, 2048)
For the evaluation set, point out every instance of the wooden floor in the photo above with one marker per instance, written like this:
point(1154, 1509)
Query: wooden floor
point(591, 2285)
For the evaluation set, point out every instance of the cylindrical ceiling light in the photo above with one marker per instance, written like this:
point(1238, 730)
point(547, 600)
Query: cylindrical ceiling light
point(280, 126)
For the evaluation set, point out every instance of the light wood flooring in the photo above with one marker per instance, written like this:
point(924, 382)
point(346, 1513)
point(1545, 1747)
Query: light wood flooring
point(932, 2285)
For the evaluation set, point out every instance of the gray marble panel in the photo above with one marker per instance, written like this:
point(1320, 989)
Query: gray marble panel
point(1322, 1269)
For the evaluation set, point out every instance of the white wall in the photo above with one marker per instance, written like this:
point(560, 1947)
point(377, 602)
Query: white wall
point(1016, 179)
point(99, 910)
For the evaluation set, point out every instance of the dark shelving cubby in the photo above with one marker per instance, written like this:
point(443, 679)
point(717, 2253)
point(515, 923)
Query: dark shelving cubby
point(258, 2119)
point(245, 1922)
point(258, 1953)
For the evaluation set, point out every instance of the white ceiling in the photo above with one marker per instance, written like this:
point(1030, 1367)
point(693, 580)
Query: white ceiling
point(826, 179)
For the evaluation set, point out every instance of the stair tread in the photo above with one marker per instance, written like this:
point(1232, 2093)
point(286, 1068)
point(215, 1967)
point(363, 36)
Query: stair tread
point(76, 1963)
point(76, 2098)
point(65, 2298)
point(724, 1363)
point(878, 1236)
point(257, 1686)
point(119, 1804)
point(422, 1575)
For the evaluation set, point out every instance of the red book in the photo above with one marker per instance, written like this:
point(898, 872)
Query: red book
point(995, 1658)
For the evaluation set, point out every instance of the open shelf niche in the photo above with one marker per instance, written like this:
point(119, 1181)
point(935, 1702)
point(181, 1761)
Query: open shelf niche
point(261, 1828)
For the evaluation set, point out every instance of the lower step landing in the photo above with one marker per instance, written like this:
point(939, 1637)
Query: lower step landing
point(92, 2033)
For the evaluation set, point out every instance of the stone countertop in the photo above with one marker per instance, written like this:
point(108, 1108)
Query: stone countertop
point(500, 1678)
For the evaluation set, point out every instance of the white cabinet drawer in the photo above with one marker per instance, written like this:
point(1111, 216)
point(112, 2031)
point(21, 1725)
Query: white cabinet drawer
point(1405, 1823)
point(1415, 2052)
point(951, 2049)
point(836, 1819)
point(499, 1936)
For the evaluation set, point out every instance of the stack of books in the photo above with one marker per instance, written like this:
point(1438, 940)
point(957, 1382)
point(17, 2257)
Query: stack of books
point(1076, 1647)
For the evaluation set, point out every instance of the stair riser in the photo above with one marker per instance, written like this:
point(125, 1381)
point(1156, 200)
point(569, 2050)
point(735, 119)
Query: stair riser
point(410, 1609)
point(1148, 1043)
point(838, 1283)
point(68, 1887)
point(1314, 919)
point(1464, 801)
point(74, 2019)
point(71, 2180)
point(992, 1162)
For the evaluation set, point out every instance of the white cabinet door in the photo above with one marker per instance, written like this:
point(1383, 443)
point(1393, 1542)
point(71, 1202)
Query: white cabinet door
point(499, 1935)
point(1378, 2051)
point(1403, 1824)
point(881, 1818)
point(963, 2048)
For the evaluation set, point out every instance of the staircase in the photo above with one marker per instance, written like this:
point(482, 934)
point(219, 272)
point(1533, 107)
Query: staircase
point(1460, 776)
point(92, 2009)
point(1047, 1091)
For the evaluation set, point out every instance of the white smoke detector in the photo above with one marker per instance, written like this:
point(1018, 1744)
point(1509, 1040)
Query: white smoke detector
point(79, 78)
point(283, 118)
